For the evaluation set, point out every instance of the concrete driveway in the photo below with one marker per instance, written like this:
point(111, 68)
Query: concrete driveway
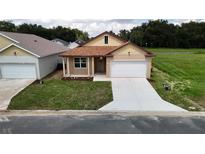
point(9, 88)
point(136, 94)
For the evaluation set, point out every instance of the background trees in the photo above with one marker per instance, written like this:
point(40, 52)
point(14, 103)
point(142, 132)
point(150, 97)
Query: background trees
point(63, 33)
point(160, 33)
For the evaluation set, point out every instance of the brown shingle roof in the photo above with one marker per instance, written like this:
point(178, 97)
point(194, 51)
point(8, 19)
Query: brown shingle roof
point(90, 51)
point(147, 53)
point(99, 50)
point(35, 44)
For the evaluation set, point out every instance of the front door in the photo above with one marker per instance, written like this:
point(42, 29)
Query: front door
point(100, 65)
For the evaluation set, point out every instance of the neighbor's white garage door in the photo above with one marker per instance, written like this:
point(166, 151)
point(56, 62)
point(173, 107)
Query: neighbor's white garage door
point(18, 71)
point(128, 69)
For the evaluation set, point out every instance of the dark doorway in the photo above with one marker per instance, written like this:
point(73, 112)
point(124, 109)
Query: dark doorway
point(100, 65)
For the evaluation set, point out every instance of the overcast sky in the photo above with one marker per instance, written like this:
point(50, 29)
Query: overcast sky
point(94, 27)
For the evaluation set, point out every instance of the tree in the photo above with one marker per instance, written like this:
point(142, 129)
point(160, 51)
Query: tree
point(7, 26)
point(160, 33)
point(64, 33)
point(124, 34)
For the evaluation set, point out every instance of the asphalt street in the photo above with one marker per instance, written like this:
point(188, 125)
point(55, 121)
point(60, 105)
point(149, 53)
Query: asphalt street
point(101, 124)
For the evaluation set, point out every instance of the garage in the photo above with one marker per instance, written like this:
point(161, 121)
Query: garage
point(129, 69)
point(18, 71)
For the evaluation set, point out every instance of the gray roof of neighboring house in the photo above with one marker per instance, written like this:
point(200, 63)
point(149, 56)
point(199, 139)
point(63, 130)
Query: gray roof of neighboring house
point(35, 44)
point(61, 41)
point(79, 41)
point(73, 45)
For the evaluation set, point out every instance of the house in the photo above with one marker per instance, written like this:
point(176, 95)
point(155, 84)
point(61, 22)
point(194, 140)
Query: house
point(79, 41)
point(107, 54)
point(27, 55)
point(61, 42)
point(75, 44)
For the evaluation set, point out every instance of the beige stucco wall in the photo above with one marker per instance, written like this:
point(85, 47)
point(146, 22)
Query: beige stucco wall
point(99, 41)
point(123, 53)
point(11, 50)
point(4, 42)
point(108, 65)
point(80, 71)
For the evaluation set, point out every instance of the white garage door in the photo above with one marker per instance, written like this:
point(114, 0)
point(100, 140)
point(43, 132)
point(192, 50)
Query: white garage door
point(18, 71)
point(128, 69)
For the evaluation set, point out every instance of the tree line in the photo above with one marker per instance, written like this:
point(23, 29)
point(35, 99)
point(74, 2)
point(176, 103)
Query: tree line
point(160, 33)
point(154, 33)
point(60, 32)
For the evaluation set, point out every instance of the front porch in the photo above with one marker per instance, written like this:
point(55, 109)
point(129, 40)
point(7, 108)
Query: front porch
point(84, 67)
point(99, 77)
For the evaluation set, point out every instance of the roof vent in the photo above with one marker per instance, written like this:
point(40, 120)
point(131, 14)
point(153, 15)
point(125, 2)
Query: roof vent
point(35, 41)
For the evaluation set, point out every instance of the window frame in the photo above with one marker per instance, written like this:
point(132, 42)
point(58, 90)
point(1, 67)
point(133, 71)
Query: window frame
point(80, 63)
point(106, 36)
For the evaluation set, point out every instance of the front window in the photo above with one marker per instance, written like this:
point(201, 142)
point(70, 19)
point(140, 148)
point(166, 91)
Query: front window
point(80, 62)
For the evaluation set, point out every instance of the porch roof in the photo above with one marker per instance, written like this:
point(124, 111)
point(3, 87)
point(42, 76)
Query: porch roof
point(89, 51)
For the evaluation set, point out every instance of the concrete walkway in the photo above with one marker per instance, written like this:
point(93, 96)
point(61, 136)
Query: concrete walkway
point(9, 88)
point(136, 94)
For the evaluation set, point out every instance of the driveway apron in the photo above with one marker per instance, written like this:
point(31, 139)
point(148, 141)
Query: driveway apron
point(136, 94)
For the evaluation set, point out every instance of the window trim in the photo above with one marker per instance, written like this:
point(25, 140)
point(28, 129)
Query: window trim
point(107, 39)
point(80, 63)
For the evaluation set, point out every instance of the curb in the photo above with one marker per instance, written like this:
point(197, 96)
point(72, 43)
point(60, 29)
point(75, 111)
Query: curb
point(96, 113)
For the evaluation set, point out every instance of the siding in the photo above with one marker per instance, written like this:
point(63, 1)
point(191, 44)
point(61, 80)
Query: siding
point(47, 65)
point(12, 50)
point(4, 42)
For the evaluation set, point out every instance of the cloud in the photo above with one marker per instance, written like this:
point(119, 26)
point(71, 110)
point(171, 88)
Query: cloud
point(95, 26)
point(92, 26)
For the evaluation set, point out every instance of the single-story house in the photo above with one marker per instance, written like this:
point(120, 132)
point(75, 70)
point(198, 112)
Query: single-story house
point(107, 54)
point(27, 55)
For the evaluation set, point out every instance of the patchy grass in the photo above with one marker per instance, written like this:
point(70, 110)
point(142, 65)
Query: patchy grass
point(57, 94)
point(185, 73)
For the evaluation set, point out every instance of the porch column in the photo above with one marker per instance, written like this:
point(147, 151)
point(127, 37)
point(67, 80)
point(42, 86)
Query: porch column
point(67, 66)
point(88, 66)
point(92, 66)
point(63, 67)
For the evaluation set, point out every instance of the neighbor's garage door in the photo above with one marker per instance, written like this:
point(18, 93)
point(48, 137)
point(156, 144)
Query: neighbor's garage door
point(128, 69)
point(18, 71)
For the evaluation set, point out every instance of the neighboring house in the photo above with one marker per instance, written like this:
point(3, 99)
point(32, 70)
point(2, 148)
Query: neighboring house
point(79, 41)
point(61, 42)
point(107, 54)
point(75, 44)
point(27, 55)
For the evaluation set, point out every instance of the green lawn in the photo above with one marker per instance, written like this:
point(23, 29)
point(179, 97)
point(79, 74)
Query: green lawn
point(58, 94)
point(170, 50)
point(185, 73)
